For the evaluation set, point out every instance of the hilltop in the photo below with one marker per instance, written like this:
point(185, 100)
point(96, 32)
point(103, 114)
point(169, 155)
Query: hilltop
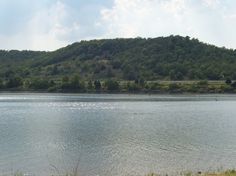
point(146, 59)
point(163, 58)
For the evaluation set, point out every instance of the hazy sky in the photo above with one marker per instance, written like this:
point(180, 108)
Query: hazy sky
point(51, 24)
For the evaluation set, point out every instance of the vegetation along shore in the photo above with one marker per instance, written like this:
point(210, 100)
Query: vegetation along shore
point(219, 173)
point(152, 65)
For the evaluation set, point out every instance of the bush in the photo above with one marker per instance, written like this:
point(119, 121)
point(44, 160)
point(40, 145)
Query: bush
point(133, 87)
point(233, 84)
point(97, 85)
point(173, 86)
point(40, 84)
point(202, 83)
point(14, 82)
point(73, 84)
point(154, 86)
point(112, 85)
point(228, 81)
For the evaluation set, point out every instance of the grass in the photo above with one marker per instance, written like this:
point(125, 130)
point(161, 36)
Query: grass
point(226, 173)
point(222, 173)
point(218, 173)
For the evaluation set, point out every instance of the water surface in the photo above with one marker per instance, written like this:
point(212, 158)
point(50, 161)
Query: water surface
point(44, 134)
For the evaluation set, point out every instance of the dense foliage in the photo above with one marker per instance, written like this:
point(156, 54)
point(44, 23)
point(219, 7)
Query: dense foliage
point(163, 58)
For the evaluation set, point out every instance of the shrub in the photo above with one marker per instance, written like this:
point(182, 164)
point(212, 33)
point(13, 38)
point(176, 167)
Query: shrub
point(112, 85)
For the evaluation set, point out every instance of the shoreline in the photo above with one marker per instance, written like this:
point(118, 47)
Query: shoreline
point(128, 87)
point(114, 93)
point(229, 172)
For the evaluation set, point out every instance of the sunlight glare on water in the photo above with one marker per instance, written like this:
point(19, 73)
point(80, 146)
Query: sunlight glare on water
point(44, 134)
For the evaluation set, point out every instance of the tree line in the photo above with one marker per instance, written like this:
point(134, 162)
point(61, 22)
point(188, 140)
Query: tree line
point(163, 58)
point(78, 85)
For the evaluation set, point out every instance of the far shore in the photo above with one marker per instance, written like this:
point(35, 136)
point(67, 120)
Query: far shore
point(188, 173)
point(199, 173)
point(127, 87)
point(113, 92)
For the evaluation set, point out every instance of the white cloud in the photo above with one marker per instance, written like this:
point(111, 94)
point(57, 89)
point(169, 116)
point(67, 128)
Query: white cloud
point(49, 28)
point(174, 6)
point(59, 23)
point(152, 18)
point(130, 18)
point(211, 3)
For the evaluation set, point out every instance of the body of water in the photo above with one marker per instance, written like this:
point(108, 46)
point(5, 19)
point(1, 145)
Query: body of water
point(45, 134)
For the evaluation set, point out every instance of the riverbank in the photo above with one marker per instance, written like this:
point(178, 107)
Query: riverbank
point(219, 173)
point(130, 87)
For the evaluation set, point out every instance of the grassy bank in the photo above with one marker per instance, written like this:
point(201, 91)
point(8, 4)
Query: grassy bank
point(112, 86)
point(219, 173)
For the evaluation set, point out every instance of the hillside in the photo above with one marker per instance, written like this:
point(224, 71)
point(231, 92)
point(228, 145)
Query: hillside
point(155, 59)
point(163, 58)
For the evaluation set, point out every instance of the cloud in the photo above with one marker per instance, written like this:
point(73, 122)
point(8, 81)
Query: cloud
point(48, 28)
point(48, 24)
point(152, 18)
point(51, 27)
point(51, 24)
point(130, 18)
point(211, 3)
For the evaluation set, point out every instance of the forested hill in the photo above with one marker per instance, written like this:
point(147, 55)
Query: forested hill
point(163, 58)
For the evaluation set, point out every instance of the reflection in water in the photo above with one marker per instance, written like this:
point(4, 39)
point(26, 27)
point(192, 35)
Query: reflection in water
point(116, 134)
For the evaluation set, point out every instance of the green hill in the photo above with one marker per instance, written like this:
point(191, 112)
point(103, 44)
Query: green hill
point(163, 58)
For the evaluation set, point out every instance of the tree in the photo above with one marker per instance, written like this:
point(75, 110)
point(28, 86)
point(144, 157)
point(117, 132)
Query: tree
point(97, 85)
point(65, 82)
point(112, 85)
point(233, 84)
point(155, 86)
point(1, 84)
point(176, 75)
point(228, 81)
point(39, 84)
point(133, 87)
point(203, 83)
point(75, 82)
point(14, 82)
point(140, 82)
point(109, 73)
point(173, 87)
point(90, 85)
point(65, 79)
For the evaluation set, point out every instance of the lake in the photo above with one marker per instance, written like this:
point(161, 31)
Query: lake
point(45, 134)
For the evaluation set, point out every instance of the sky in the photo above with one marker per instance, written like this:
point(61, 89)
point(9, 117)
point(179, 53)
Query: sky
point(51, 24)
